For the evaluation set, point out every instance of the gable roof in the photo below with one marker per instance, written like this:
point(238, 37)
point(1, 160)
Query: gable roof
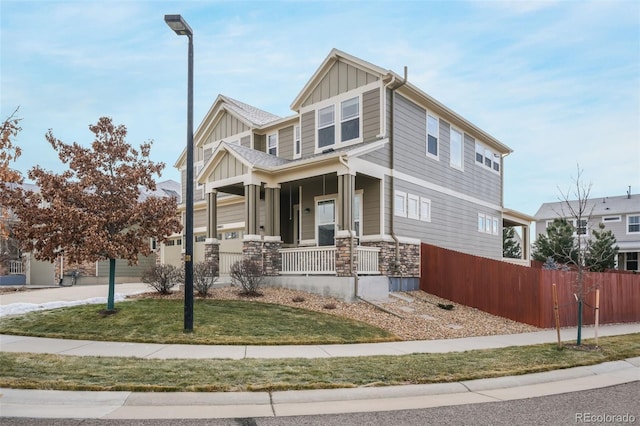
point(606, 206)
point(255, 116)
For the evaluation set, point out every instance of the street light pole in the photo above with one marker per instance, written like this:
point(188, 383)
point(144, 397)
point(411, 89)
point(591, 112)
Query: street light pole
point(180, 26)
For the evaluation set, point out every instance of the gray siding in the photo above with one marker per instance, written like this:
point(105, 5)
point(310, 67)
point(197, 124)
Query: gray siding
point(246, 141)
point(231, 213)
point(454, 224)
point(308, 133)
point(371, 114)
point(411, 158)
point(370, 204)
point(285, 143)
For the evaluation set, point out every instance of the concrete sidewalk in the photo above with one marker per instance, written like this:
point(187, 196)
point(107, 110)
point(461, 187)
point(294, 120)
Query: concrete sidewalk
point(132, 405)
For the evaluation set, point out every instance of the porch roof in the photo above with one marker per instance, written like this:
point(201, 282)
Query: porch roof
point(261, 161)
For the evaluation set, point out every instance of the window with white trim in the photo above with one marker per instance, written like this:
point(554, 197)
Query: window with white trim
point(272, 144)
point(487, 224)
point(481, 222)
point(350, 119)
point(326, 222)
point(413, 206)
point(496, 226)
point(326, 126)
point(297, 142)
point(400, 204)
point(581, 227)
point(633, 224)
point(432, 135)
point(487, 158)
point(425, 209)
point(456, 149)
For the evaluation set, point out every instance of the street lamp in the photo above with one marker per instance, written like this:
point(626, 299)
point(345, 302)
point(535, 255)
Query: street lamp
point(180, 26)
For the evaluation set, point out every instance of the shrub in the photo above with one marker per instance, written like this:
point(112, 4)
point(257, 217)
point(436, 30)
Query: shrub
point(248, 274)
point(162, 278)
point(329, 306)
point(298, 299)
point(204, 277)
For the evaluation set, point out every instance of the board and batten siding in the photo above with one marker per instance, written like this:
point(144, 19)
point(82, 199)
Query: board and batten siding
point(341, 78)
point(226, 127)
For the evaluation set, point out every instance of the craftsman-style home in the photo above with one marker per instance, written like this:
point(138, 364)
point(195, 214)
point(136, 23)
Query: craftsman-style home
point(337, 197)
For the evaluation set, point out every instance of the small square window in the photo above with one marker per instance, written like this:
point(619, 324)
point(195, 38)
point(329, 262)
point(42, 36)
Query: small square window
point(480, 222)
point(400, 204)
point(425, 209)
point(413, 207)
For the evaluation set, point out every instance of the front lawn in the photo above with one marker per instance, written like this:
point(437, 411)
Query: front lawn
point(216, 322)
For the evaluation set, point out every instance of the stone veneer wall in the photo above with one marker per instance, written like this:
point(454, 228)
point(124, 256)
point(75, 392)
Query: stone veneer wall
point(212, 254)
point(272, 260)
point(408, 261)
point(344, 257)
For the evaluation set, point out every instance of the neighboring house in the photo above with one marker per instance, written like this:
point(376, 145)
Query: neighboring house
point(619, 214)
point(26, 269)
point(366, 154)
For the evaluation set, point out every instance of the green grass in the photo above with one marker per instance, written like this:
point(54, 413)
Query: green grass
point(37, 371)
point(221, 322)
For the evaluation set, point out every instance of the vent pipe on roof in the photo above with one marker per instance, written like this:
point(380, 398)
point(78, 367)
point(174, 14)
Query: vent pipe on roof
point(629, 193)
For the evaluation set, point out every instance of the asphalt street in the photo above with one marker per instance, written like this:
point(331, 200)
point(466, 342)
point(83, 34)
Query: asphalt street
point(618, 404)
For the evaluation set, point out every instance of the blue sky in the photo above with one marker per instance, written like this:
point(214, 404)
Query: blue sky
point(557, 81)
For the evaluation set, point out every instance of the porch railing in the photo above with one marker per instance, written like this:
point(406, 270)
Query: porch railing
point(15, 267)
point(368, 260)
point(322, 260)
point(308, 260)
point(227, 259)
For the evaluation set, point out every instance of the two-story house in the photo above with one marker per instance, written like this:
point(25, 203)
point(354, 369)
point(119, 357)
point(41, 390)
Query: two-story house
point(619, 214)
point(367, 168)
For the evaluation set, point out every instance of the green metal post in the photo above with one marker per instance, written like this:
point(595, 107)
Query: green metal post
point(112, 284)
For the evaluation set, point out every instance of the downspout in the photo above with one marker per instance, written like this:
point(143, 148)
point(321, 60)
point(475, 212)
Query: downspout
point(391, 153)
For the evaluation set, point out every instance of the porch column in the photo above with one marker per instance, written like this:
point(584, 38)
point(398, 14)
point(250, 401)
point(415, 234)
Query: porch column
point(211, 243)
point(272, 211)
point(212, 214)
point(251, 209)
point(346, 191)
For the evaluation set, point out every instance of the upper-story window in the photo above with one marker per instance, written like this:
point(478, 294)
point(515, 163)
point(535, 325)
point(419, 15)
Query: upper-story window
point(297, 142)
point(350, 119)
point(326, 126)
point(487, 157)
point(633, 224)
point(432, 135)
point(456, 148)
point(272, 144)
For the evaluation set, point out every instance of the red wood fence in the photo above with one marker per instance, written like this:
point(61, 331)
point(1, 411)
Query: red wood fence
point(524, 294)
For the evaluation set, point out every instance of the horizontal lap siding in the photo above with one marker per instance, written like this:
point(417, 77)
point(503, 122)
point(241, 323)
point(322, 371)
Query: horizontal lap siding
point(285, 143)
point(371, 114)
point(308, 133)
point(454, 223)
point(123, 269)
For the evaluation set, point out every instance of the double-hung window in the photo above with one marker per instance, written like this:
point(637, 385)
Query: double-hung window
point(326, 126)
point(456, 148)
point(326, 220)
point(432, 135)
point(272, 144)
point(633, 224)
point(350, 119)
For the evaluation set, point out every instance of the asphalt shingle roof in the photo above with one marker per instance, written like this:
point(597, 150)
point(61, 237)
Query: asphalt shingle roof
point(601, 206)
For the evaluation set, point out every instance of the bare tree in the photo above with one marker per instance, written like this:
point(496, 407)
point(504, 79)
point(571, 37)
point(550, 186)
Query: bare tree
point(93, 210)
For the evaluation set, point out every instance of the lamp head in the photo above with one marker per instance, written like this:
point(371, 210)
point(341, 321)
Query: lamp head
point(178, 24)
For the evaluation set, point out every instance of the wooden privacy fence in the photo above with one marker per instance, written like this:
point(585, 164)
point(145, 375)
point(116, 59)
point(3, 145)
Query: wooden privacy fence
point(524, 294)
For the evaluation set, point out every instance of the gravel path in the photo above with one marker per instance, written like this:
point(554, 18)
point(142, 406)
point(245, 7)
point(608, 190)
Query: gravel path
point(414, 316)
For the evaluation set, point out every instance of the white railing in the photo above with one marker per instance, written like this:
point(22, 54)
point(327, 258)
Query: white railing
point(15, 267)
point(309, 260)
point(227, 259)
point(368, 260)
point(322, 260)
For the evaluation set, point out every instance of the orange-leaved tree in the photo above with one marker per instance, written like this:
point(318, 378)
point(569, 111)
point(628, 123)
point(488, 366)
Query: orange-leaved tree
point(93, 211)
point(9, 153)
